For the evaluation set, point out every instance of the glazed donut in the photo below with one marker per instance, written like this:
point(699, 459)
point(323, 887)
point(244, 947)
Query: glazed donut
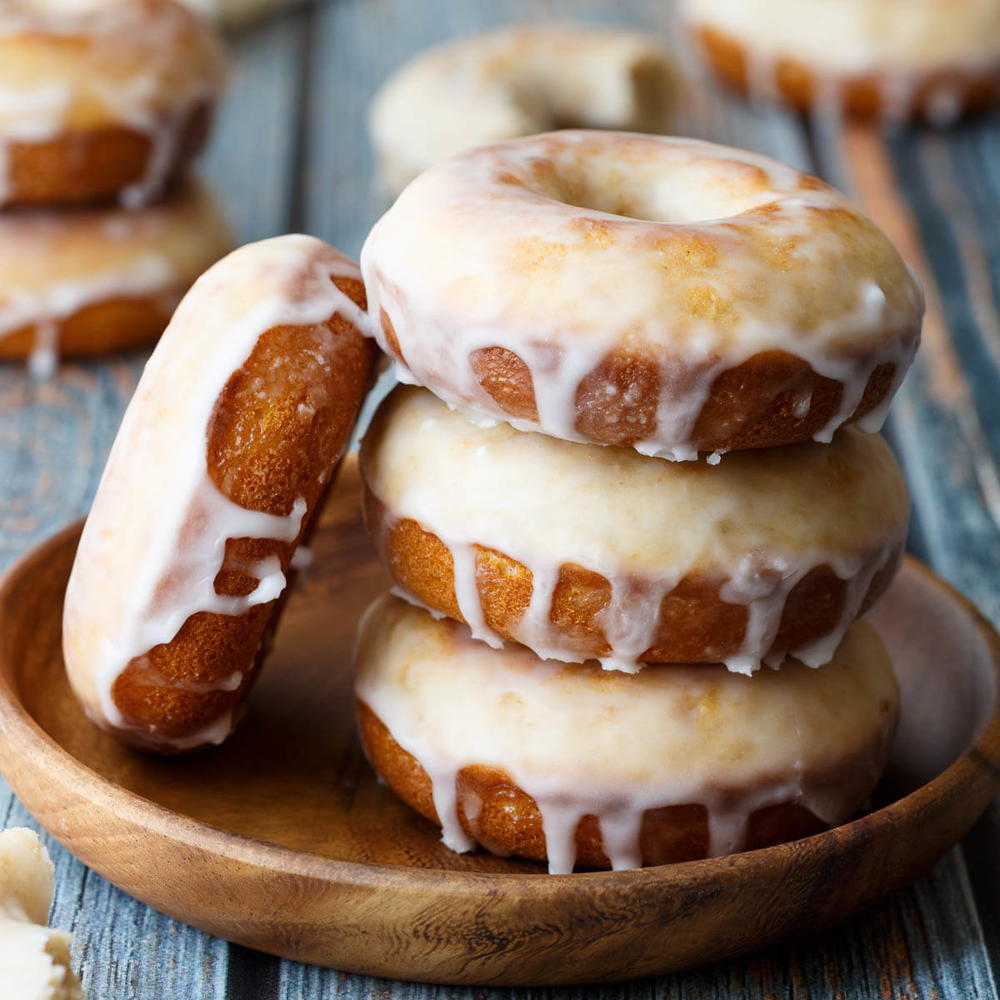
point(91, 281)
point(102, 99)
point(515, 82)
point(575, 766)
point(879, 59)
point(667, 294)
point(581, 552)
point(216, 475)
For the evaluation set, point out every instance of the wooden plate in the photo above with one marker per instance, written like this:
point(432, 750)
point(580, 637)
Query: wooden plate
point(282, 839)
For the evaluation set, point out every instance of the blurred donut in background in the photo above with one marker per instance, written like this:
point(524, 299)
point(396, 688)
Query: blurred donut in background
point(884, 60)
point(515, 82)
point(87, 282)
point(102, 99)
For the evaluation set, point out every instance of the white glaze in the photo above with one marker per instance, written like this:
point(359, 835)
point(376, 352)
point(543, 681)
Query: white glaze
point(694, 255)
point(136, 580)
point(580, 742)
point(518, 81)
point(758, 521)
point(55, 264)
point(145, 66)
point(902, 44)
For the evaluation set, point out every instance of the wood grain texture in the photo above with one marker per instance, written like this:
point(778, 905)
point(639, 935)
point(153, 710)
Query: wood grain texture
point(274, 169)
point(283, 838)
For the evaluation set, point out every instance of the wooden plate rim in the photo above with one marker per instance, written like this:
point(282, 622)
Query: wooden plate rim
point(18, 727)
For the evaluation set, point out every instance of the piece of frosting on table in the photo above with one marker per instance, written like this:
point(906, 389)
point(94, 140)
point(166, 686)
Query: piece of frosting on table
point(236, 12)
point(34, 958)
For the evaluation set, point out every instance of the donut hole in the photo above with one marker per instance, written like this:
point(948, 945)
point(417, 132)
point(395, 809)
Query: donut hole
point(653, 90)
point(635, 97)
point(670, 186)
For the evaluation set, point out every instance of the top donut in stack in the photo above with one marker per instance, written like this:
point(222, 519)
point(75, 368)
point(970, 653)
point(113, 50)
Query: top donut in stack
point(627, 299)
point(106, 104)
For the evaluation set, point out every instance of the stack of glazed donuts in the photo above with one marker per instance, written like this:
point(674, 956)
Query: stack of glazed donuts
point(633, 499)
point(106, 103)
point(632, 525)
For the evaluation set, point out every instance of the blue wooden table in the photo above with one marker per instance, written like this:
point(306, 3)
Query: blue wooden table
point(290, 153)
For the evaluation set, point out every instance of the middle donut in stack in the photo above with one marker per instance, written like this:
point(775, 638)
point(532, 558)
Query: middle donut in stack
point(614, 301)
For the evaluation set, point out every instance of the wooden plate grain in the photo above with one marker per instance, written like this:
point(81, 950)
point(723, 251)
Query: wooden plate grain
point(283, 840)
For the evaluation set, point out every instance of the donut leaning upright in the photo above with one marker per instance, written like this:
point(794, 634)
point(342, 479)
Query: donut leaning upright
point(631, 309)
point(216, 476)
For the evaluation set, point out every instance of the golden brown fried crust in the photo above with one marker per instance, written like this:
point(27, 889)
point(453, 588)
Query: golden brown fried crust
point(92, 166)
point(696, 625)
point(862, 96)
point(116, 324)
point(752, 405)
point(509, 821)
point(264, 452)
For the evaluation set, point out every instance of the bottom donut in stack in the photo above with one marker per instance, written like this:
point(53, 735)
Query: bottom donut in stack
point(583, 767)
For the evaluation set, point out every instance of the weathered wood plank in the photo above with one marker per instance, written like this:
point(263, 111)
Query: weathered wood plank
point(958, 212)
point(938, 431)
point(905, 952)
point(251, 159)
point(53, 440)
point(945, 421)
